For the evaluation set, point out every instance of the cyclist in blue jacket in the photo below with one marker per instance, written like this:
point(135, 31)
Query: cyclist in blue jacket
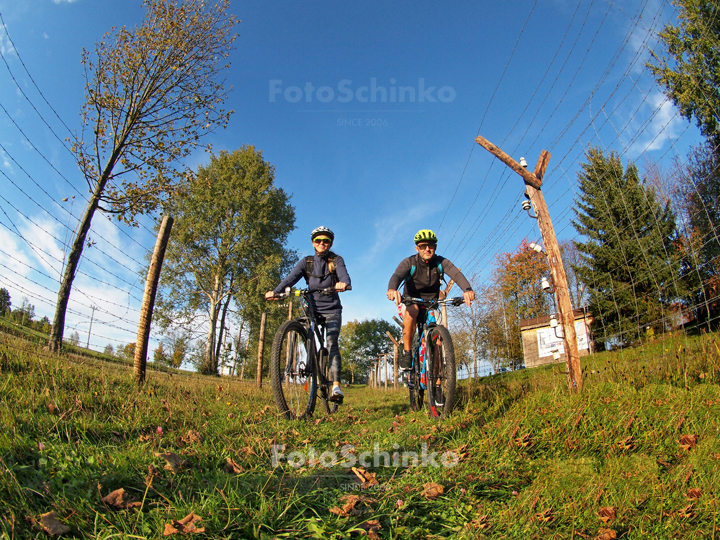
point(323, 270)
point(421, 274)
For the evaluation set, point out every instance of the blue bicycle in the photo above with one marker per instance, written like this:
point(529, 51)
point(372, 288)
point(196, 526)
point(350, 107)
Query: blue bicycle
point(433, 364)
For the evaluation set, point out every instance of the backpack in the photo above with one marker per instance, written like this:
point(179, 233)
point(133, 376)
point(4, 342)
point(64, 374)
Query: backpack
point(331, 266)
point(413, 269)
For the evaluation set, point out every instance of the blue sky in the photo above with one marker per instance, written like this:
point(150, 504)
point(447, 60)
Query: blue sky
point(527, 75)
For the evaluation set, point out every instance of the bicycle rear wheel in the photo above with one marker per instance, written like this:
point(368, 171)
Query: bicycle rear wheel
point(413, 380)
point(325, 382)
point(441, 372)
point(292, 372)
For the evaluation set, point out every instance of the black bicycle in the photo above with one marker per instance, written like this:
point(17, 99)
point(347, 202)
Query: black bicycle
point(433, 362)
point(300, 361)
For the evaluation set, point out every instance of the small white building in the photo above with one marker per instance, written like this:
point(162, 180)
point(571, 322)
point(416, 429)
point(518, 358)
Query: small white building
point(540, 340)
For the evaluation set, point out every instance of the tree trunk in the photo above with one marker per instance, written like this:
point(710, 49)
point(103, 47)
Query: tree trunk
point(210, 361)
point(146, 311)
point(245, 358)
point(221, 332)
point(237, 348)
point(58, 325)
point(261, 350)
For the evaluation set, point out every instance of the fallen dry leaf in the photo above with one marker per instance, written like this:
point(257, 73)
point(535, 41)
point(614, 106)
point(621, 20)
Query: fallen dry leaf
point(191, 437)
point(626, 444)
point(368, 479)
point(51, 524)
point(431, 490)
point(606, 514)
point(693, 494)
point(152, 474)
point(355, 505)
point(371, 527)
point(120, 500)
point(545, 516)
point(687, 512)
point(524, 441)
point(688, 442)
point(606, 534)
point(232, 466)
point(185, 526)
point(462, 452)
point(173, 462)
point(479, 523)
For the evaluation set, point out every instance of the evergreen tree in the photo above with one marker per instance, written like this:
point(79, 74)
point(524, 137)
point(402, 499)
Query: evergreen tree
point(5, 302)
point(628, 256)
point(691, 72)
point(698, 195)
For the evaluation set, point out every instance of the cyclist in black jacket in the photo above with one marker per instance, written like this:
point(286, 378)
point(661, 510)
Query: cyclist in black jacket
point(422, 273)
point(324, 269)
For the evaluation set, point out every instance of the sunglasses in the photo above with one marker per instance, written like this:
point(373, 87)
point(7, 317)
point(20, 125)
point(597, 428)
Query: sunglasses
point(322, 241)
point(423, 247)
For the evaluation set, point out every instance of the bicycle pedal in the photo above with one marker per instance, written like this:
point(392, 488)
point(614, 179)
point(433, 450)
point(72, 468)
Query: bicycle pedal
point(336, 399)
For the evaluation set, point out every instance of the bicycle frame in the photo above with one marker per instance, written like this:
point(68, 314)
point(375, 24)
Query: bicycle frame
point(315, 329)
point(418, 375)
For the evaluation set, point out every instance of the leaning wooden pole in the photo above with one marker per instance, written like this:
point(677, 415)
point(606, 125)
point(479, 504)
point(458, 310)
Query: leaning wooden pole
point(533, 183)
point(148, 303)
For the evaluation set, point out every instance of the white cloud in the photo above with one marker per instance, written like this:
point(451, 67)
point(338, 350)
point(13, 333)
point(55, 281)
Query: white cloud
point(6, 47)
point(6, 163)
point(665, 125)
point(63, 1)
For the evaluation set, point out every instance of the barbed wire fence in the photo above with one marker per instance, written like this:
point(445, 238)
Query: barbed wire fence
point(624, 112)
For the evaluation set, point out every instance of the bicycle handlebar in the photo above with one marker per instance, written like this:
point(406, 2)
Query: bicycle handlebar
point(299, 292)
point(455, 301)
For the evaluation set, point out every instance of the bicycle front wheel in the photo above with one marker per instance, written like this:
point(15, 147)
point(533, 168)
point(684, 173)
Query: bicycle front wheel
point(441, 372)
point(413, 380)
point(292, 371)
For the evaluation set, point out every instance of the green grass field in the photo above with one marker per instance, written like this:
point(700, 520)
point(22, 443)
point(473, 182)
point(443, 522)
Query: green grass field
point(636, 455)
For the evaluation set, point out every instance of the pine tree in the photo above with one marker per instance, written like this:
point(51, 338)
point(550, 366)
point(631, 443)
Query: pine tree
point(5, 302)
point(628, 254)
point(690, 72)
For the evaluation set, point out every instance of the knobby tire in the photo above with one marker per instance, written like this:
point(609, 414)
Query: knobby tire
point(440, 357)
point(325, 382)
point(416, 393)
point(292, 371)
